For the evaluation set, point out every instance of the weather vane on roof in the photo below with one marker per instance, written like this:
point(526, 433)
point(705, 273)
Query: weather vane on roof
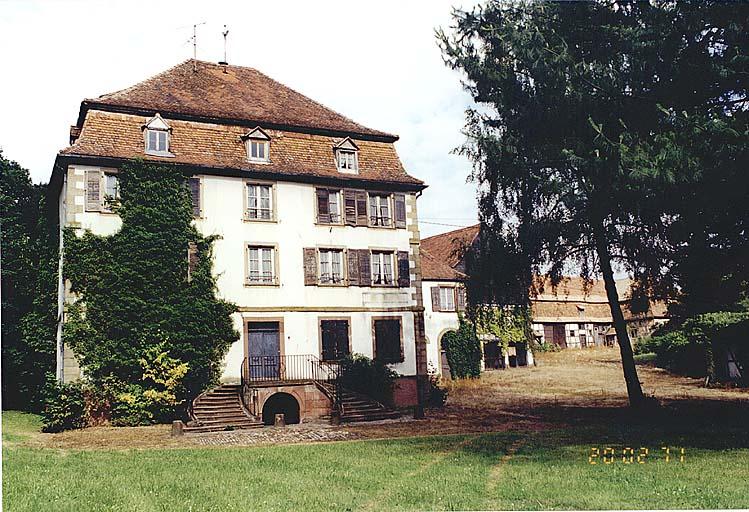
point(225, 33)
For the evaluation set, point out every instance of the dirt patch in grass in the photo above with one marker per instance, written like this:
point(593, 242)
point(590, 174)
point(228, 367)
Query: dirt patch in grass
point(568, 389)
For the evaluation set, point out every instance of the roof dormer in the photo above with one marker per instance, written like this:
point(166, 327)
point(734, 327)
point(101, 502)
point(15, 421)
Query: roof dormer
point(156, 135)
point(258, 145)
point(347, 156)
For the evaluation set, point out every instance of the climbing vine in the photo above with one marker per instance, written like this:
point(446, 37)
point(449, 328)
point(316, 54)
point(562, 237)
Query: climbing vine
point(136, 304)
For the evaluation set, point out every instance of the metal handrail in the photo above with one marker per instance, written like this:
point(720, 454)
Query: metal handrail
point(293, 368)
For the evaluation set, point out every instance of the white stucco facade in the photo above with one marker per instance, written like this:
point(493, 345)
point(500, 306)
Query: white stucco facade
point(296, 306)
point(437, 323)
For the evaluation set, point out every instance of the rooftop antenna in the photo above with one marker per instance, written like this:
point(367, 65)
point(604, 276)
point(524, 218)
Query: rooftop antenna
point(225, 33)
point(194, 39)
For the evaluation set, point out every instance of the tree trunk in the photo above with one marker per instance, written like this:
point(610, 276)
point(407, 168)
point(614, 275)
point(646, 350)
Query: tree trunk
point(634, 390)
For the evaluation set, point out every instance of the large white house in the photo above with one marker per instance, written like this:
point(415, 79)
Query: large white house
point(319, 241)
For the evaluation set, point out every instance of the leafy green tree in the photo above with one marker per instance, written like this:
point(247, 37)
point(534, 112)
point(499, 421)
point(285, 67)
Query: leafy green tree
point(136, 291)
point(578, 135)
point(29, 305)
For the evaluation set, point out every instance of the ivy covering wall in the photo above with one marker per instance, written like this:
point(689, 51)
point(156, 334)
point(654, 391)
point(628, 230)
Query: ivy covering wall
point(135, 293)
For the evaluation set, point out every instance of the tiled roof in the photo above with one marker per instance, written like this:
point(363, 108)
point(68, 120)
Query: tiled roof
point(228, 92)
point(120, 136)
point(433, 269)
point(448, 247)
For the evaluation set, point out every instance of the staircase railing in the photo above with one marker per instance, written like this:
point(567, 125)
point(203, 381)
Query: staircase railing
point(292, 368)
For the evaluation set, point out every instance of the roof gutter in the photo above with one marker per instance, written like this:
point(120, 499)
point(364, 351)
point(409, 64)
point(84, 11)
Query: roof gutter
point(63, 160)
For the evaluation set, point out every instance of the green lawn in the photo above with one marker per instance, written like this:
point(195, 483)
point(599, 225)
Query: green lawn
point(545, 471)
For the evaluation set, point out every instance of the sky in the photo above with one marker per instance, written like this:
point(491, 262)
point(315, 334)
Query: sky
point(375, 62)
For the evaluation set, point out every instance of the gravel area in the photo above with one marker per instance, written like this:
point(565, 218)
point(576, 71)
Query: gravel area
point(273, 435)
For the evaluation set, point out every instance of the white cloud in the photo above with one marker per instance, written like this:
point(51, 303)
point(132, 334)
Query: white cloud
point(375, 62)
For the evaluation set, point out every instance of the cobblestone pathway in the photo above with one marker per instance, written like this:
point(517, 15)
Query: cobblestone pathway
point(273, 435)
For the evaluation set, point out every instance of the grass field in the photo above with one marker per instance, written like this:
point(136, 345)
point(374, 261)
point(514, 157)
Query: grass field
point(518, 440)
point(507, 470)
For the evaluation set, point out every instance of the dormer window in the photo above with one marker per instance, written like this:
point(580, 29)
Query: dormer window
point(347, 156)
point(156, 133)
point(258, 146)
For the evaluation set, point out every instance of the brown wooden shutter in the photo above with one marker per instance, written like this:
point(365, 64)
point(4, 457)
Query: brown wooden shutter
point(323, 206)
point(192, 259)
point(460, 298)
point(362, 218)
point(365, 267)
point(400, 210)
point(310, 266)
point(349, 205)
point(195, 195)
point(352, 257)
point(404, 271)
point(93, 191)
point(436, 306)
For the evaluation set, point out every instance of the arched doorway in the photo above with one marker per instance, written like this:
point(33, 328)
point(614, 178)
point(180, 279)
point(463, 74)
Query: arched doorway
point(281, 403)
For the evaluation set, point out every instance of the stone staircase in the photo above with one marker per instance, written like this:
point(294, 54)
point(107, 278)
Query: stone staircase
point(220, 409)
point(358, 407)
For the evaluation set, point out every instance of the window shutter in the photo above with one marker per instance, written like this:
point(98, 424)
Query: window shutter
point(404, 271)
point(349, 205)
point(352, 258)
point(436, 306)
point(362, 218)
point(460, 298)
point(365, 268)
point(400, 210)
point(323, 209)
point(192, 259)
point(93, 191)
point(195, 195)
point(310, 266)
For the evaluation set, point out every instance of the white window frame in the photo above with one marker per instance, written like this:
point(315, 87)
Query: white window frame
point(337, 203)
point(260, 143)
point(106, 205)
point(255, 212)
point(158, 133)
point(378, 202)
point(380, 261)
point(447, 298)
point(347, 161)
point(261, 275)
point(326, 270)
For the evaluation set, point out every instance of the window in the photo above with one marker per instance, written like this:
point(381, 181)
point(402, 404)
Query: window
point(379, 210)
point(259, 202)
point(447, 298)
point(194, 184)
point(387, 340)
point(334, 336)
point(328, 206)
point(111, 192)
point(157, 141)
point(258, 145)
point(331, 265)
point(259, 150)
point(156, 134)
point(347, 161)
point(382, 268)
point(261, 265)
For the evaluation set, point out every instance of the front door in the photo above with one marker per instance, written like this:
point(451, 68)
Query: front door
point(560, 336)
point(264, 350)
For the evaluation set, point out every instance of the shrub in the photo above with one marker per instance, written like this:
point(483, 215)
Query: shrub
point(65, 408)
point(368, 377)
point(437, 394)
point(463, 350)
point(131, 408)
